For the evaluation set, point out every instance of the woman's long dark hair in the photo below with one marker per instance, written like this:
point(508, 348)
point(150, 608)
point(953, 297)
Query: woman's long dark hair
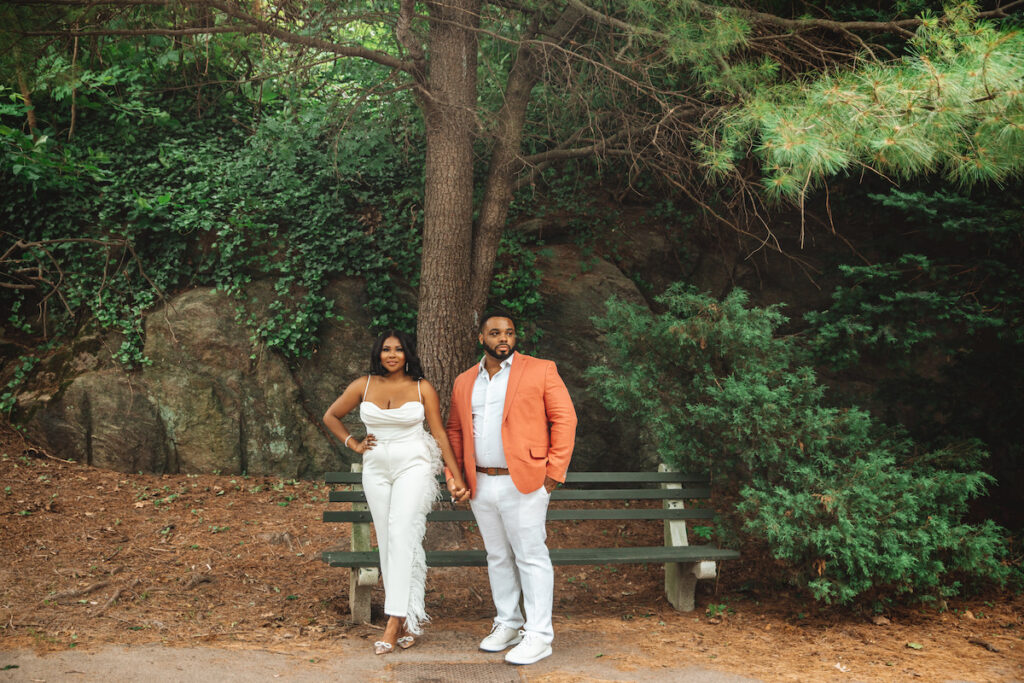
point(414, 369)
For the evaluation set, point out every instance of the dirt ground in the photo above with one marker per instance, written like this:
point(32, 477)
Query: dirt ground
point(94, 558)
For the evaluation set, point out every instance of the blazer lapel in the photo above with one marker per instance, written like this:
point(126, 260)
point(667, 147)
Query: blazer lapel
point(466, 391)
point(519, 362)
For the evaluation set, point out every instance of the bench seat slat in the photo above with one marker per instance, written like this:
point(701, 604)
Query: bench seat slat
point(553, 515)
point(635, 478)
point(559, 556)
point(574, 494)
point(631, 494)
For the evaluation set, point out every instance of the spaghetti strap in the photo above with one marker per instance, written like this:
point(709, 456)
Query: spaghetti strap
point(367, 386)
point(418, 390)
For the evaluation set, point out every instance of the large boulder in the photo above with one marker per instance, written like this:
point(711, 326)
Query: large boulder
point(200, 357)
point(342, 356)
point(228, 405)
point(210, 400)
point(575, 288)
point(213, 400)
point(104, 418)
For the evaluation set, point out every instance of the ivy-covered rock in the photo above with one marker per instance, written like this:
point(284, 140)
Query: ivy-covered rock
point(209, 399)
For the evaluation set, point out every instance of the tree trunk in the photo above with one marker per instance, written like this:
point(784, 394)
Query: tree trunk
point(501, 176)
point(26, 94)
point(445, 328)
point(505, 161)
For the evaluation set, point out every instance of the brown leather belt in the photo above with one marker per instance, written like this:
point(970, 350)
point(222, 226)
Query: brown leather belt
point(493, 471)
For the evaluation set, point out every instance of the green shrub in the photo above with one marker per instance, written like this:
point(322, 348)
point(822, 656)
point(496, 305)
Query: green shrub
point(848, 506)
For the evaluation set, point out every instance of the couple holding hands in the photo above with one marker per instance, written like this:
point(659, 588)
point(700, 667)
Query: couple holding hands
point(506, 446)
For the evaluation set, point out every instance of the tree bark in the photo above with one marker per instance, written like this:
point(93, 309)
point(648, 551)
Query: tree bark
point(506, 160)
point(26, 94)
point(445, 326)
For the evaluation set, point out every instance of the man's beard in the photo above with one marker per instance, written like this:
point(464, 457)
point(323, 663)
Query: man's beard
point(493, 353)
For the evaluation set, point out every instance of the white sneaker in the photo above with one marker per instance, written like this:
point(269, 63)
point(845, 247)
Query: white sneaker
point(531, 650)
point(500, 638)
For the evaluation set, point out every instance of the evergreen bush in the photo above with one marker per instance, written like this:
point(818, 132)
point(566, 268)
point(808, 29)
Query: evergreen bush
point(850, 507)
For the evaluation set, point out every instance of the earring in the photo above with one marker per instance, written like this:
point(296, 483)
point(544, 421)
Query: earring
point(407, 367)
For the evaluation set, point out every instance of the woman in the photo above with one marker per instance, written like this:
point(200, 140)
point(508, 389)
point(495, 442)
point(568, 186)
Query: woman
point(400, 462)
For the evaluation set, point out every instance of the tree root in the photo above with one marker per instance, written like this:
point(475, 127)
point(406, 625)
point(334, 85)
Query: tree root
point(196, 580)
point(115, 595)
point(64, 595)
point(983, 643)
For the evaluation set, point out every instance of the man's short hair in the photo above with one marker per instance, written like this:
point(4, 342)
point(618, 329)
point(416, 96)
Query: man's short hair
point(495, 313)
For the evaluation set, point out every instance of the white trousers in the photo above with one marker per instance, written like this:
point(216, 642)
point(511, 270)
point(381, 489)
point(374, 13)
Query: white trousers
point(512, 525)
point(399, 484)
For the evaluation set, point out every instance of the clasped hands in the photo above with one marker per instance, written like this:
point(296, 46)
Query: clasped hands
point(458, 490)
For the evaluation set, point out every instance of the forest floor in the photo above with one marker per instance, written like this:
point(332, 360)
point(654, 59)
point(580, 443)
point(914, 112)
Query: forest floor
point(95, 559)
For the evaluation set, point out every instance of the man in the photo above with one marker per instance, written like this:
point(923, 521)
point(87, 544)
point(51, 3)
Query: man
point(512, 427)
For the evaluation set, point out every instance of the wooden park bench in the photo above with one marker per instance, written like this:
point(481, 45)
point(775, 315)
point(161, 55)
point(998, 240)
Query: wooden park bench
point(684, 563)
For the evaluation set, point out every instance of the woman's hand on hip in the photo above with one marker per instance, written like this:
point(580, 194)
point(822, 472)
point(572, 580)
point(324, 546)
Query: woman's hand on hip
point(366, 444)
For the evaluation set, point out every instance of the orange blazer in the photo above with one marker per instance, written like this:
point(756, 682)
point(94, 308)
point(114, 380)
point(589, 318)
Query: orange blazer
point(538, 427)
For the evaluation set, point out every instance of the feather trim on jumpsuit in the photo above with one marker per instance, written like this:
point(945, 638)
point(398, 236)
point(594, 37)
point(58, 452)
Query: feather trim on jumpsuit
point(416, 616)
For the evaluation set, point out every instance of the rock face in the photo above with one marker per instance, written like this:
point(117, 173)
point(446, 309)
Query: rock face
point(212, 401)
point(104, 418)
point(572, 294)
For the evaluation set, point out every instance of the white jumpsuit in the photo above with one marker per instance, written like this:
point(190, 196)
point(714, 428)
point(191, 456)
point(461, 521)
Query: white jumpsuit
point(399, 478)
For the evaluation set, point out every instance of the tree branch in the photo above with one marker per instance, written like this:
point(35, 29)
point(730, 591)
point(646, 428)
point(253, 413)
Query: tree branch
point(407, 39)
point(249, 24)
point(240, 30)
point(266, 28)
point(902, 26)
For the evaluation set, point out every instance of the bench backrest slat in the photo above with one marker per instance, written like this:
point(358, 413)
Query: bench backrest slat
point(553, 515)
point(574, 478)
point(575, 494)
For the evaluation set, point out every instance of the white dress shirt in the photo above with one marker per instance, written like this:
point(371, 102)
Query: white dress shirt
point(488, 406)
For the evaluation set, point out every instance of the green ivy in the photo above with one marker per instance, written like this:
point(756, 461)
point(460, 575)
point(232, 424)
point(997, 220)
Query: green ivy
point(516, 282)
point(21, 372)
point(172, 201)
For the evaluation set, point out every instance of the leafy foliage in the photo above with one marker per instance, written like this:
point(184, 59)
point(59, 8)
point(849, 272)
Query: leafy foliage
point(891, 309)
point(168, 200)
point(166, 185)
point(851, 507)
point(21, 371)
point(516, 283)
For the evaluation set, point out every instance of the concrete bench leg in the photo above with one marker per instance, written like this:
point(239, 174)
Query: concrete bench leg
point(361, 583)
point(680, 585)
point(681, 582)
point(681, 577)
point(361, 579)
